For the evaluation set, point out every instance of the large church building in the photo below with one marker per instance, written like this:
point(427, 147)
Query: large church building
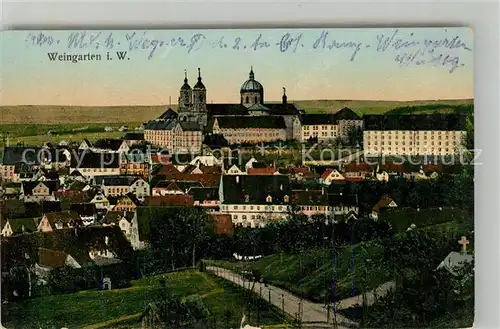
point(251, 120)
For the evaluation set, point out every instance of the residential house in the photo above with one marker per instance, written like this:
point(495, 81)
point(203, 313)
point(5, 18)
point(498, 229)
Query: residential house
point(330, 175)
point(19, 226)
point(263, 171)
point(206, 160)
point(100, 200)
point(311, 202)
point(174, 187)
point(127, 202)
point(384, 203)
point(249, 163)
point(91, 164)
point(49, 260)
point(111, 146)
point(85, 145)
point(206, 197)
point(121, 185)
point(170, 200)
point(122, 219)
point(59, 220)
point(254, 200)
point(342, 205)
point(357, 171)
point(235, 170)
point(17, 155)
point(86, 211)
point(132, 138)
point(38, 191)
point(135, 164)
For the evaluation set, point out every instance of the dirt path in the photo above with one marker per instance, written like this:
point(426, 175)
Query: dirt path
point(113, 321)
point(311, 314)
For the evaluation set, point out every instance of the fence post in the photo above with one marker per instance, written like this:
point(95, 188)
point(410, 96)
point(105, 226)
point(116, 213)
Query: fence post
point(283, 303)
point(269, 290)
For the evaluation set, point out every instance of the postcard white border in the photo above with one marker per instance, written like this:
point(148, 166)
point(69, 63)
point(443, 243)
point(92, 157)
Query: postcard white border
point(484, 17)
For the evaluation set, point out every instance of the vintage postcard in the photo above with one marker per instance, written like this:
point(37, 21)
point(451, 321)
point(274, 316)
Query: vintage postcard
point(246, 178)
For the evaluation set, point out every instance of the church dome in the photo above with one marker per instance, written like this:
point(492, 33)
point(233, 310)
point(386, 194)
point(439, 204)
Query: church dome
point(251, 84)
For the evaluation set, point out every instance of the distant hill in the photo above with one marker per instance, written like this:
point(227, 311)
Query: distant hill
point(56, 114)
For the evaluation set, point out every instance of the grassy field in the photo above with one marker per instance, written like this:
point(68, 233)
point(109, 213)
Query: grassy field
point(38, 134)
point(52, 114)
point(97, 309)
point(310, 275)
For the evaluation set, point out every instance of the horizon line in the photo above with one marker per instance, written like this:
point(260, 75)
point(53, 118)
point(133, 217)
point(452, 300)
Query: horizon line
point(272, 101)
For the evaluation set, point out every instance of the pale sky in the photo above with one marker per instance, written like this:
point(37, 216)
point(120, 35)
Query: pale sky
point(28, 77)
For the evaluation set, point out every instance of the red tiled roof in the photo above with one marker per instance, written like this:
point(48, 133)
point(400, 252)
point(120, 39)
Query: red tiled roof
point(261, 171)
point(168, 169)
point(358, 167)
point(354, 179)
point(430, 167)
point(384, 202)
point(326, 173)
point(169, 200)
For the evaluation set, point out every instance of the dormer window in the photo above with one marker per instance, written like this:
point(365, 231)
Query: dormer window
point(269, 199)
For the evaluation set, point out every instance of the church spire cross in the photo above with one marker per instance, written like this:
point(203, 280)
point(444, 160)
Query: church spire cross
point(199, 74)
point(251, 75)
point(464, 242)
point(185, 76)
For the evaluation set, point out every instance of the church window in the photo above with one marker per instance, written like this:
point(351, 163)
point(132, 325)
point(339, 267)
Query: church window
point(247, 100)
point(201, 98)
point(255, 100)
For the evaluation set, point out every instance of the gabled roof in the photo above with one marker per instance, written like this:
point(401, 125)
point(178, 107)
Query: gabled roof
point(358, 167)
point(76, 173)
point(108, 144)
point(21, 225)
point(255, 189)
point(168, 114)
point(51, 258)
point(169, 200)
point(89, 159)
point(245, 122)
point(63, 217)
point(261, 171)
point(113, 217)
point(383, 203)
point(226, 109)
point(309, 197)
point(130, 196)
point(133, 136)
point(28, 186)
point(327, 173)
point(20, 154)
point(84, 209)
point(74, 196)
point(346, 114)
point(116, 180)
point(204, 193)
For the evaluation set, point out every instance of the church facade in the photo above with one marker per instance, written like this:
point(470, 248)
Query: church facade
point(251, 120)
